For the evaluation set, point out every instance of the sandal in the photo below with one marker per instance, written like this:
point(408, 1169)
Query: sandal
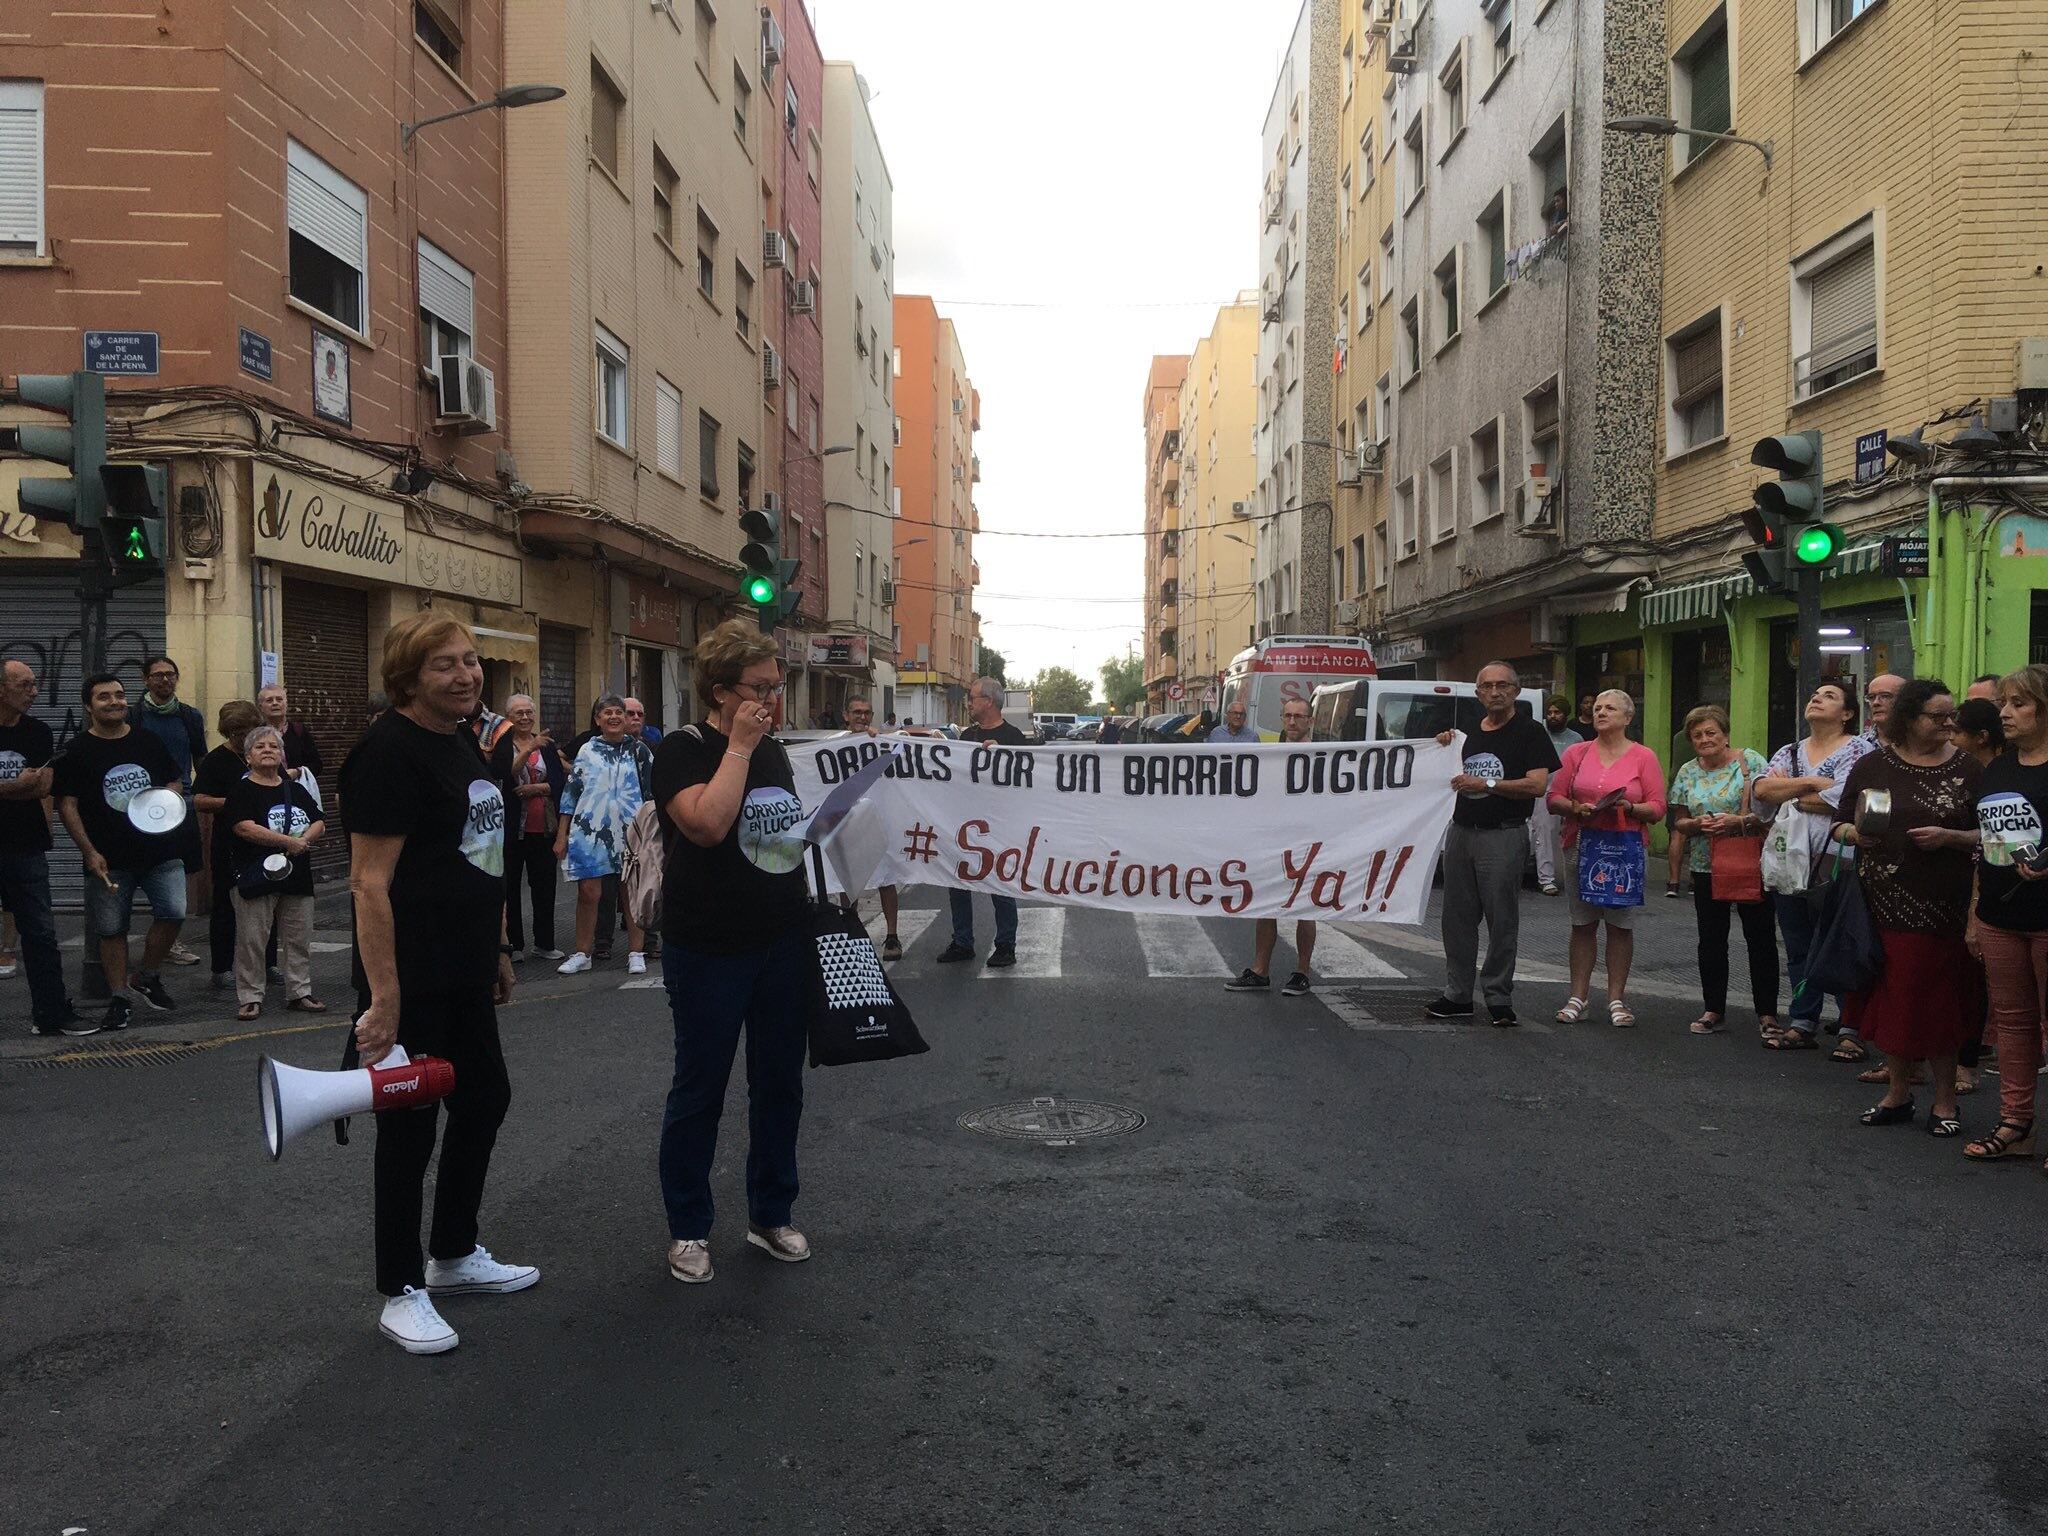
point(1939, 1124)
point(1706, 1024)
point(306, 1004)
point(1574, 1009)
point(1619, 1016)
point(1849, 1049)
point(1966, 1080)
point(1989, 1149)
point(1790, 1040)
point(249, 1011)
point(1888, 1114)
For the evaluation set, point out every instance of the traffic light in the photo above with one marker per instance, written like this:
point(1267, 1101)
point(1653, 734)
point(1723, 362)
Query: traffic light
point(1788, 515)
point(768, 579)
point(132, 527)
point(82, 447)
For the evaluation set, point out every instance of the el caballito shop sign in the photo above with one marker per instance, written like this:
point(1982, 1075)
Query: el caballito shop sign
point(1323, 831)
point(315, 523)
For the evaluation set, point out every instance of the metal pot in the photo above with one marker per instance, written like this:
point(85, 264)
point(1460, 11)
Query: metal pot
point(1873, 814)
point(157, 810)
point(277, 866)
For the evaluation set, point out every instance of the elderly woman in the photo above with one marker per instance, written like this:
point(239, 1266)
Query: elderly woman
point(217, 773)
point(1711, 795)
point(1916, 876)
point(1609, 765)
point(733, 947)
point(531, 774)
point(270, 813)
point(607, 783)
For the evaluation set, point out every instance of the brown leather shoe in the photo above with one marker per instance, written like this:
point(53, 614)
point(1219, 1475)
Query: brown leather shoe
point(784, 1243)
point(689, 1260)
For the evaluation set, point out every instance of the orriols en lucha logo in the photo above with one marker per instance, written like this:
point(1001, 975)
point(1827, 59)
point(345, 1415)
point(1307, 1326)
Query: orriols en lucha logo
point(124, 781)
point(766, 817)
point(2006, 823)
point(1484, 765)
point(483, 832)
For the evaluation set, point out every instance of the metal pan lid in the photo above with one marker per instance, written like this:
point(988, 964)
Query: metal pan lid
point(157, 810)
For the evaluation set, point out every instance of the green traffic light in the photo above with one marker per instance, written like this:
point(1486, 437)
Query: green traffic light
point(134, 546)
point(1815, 545)
point(761, 590)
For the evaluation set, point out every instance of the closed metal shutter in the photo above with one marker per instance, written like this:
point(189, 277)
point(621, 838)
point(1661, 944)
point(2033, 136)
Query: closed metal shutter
point(1844, 310)
point(558, 712)
point(327, 669)
point(40, 627)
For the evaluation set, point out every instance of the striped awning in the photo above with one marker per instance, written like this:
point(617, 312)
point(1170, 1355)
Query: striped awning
point(1690, 601)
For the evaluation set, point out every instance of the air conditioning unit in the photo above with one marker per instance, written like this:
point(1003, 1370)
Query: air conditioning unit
point(1372, 457)
point(774, 249)
point(1349, 613)
point(1273, 311)
point(888, 594)
point(1402, 52)
point(1547, 628)
point(771, 41)
point(1240, 509)
point(1380, 16)
point(468, 395)
point(771, 366)
point(1347, 472)
point(803, 297)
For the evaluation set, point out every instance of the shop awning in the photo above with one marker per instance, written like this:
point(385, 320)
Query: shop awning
point(506, 644)
point(1579, 604)
point(1690, 601)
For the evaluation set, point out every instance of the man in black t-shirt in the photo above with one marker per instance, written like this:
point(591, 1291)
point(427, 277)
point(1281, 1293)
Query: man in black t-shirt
point(1508, 763)
point(99, 774)
point(26, 748)
point(985, 708)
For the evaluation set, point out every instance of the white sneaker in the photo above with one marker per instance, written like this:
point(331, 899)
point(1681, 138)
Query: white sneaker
point(547, 954)
point(410, 1322)
point(575, 965)
point(636, 963)
point(477, 1272)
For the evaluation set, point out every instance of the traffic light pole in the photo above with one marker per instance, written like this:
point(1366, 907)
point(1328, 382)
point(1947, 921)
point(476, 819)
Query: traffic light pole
point(1809, 648)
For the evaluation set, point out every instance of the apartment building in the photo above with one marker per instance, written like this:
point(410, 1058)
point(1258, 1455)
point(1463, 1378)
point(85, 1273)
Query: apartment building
point(1872, 273)
point(300, 306)
point(861, 363)
point(1218, 482)
point(1524, 265)
point(1297, 265)
point(1162, 531)
point(936, 472)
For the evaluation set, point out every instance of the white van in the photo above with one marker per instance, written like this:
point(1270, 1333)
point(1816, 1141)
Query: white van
point(1055, 727)
point(1403, 709)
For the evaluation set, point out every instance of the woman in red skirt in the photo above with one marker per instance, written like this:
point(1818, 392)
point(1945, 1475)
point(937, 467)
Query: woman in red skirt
point(1916, 876)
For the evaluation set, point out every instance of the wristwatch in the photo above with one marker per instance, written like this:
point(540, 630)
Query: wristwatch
point(504, 949)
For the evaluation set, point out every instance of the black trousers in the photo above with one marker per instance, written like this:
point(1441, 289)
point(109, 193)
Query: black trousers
point(1759, 937)
point(530, 857)
point(463, 1028)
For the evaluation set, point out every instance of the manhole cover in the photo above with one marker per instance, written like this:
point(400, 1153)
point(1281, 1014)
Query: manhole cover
point(1053, 1122)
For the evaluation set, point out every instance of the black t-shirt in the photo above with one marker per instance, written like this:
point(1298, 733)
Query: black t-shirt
point(2012, 814)
point(103, 776)
point(282, 807)
point(1508, 753)
point(217, 774)
point(749, 890)
point(433, 789)
point(24, 746)
point(1004, 735)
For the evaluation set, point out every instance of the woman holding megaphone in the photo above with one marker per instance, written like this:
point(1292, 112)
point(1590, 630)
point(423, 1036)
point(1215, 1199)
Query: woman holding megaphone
point(426, 825)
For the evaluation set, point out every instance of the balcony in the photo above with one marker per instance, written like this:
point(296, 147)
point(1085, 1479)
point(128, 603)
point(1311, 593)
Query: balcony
point(1169, 444)
point(977, 469)
point(1169, 594)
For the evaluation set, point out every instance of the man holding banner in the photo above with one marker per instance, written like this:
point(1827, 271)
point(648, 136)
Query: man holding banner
point(985, 709)
point(1294, 721)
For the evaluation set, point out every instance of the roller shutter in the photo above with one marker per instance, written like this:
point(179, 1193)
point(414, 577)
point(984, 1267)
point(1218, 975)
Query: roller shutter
point(327, 670)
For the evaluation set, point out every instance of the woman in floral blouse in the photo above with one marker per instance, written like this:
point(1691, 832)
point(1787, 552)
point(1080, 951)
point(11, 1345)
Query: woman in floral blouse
point(1711, 796)
point(607, 784)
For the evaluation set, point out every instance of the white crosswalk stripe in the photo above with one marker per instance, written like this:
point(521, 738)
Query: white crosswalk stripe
point(1179, 946)
point(1041, 932)
point(911, 923)
point(1341, 957)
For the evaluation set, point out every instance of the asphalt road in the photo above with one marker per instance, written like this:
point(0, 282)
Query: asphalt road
point(1353, 1273)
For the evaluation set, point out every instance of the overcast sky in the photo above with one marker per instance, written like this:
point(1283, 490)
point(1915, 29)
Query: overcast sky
point(1077, 187)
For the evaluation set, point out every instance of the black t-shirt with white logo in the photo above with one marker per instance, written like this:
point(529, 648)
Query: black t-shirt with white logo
point(25, 746)
point(2012, 817)
point(103, 776)
point(217, 774)
point(749, 890)
point(434, 789)
point(283, 807)
point(1508, 753)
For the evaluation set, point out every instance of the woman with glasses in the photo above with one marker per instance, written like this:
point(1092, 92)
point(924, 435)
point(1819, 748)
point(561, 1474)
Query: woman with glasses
point(733, 947)
point(1916, 875)
point(607, 783)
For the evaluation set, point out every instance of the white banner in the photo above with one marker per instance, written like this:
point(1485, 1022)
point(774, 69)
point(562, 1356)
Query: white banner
point(1330, 830)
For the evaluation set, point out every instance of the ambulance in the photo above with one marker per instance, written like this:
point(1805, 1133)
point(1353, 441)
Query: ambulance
point(1279, 668)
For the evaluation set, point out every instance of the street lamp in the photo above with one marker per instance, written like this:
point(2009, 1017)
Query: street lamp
point(1666, 127)
point(510, 97)
point(822, 453)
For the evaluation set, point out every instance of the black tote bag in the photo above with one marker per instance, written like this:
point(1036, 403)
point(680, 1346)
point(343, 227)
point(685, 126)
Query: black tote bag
point(851, 1011)
point(1846, 955)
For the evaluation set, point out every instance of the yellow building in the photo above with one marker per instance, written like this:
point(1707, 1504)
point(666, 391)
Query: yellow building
point(1879, 271)
point(1162, 530)
point(1219, 407)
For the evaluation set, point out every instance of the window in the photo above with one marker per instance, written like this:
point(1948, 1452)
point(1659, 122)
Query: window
point(1692, 385)
point(1550, 168)
point(1343, 321)
point(1411, 341)
point(813, 154)
point(874, 349)
point(707, 255)
point(793, 389)
point(1540, 430)
point(666, 186)
point(1443, 492)
point(707, 34)
point(329, 219)
point(1500, 35)
point(668, 428)
point(1350, 68)
point(607, 108)
point(1834, 311)
point(1361, 422)
point(447, 305)
point(1367, 168)
point(1412, 155)
point(1358, 565)
point(744, 483)
point(611, 388)
point(742, 301)
point(436, 23)
point(1404, 517)
point(742, 101)
point(896, 432)
point(707, 454)
point(21, 168)
point(896, 362)
point(1449, 318)
point(1379, 555)
point(1702, 93)
point(1493, 240)
point(1364, 296)
point(1451, 97)
point(1383, 406)
point(811, 425)
point(1485, 463)
point(789, 112)
point(1821, 20)
point(1387, 264)
point(1344, 204)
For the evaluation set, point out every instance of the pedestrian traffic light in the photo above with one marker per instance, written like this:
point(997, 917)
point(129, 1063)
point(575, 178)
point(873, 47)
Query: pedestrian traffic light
point(132, 527)
point(1790, 512)
point(82, 447)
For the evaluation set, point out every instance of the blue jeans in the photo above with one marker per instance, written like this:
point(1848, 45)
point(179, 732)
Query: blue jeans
point(1796, 919)
point(25, 891)
point(107, 911)
point(710, 998)
point(963, 919)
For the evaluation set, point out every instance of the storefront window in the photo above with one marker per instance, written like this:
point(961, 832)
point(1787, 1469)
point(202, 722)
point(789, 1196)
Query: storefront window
point(1619, 665)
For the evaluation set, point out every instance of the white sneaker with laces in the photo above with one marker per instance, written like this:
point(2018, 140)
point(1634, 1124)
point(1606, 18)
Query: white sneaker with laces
point(410, 1322)
point(575, 965)
point(636, 963)
point(547, 954)
point(477, 1272)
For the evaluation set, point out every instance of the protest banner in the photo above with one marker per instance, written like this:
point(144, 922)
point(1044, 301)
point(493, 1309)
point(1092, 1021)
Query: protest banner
point(1318, 830)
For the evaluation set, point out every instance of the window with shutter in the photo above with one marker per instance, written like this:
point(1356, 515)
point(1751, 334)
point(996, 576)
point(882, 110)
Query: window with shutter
point(668, 428)
point(1694, 386)
point(1843, 325)
point(447, 301)
point(21, 166)
point(329, 222)
point(1702, 87)
point(607, 106)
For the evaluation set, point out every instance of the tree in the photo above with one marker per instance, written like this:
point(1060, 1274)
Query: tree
point(992, 664)
point(1123, 679)
point(1056, 691)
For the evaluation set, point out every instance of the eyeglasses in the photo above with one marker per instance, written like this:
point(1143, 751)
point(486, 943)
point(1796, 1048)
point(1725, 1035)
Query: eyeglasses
point(1941, 716)
point(161, 676)
point(759, 691)
point(1876, 698)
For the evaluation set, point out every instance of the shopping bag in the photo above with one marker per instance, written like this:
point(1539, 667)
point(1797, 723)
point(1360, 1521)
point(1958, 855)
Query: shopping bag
point(852, 1013)
point(1612, 867)
point(1786, 860)
point(1846, 955)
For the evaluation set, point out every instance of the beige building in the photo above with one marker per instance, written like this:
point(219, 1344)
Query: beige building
point(1162, 530)
point(1219, 408)
point(936, 472)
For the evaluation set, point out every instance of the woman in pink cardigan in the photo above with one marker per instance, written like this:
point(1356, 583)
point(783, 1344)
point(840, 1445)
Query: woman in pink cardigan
point(1609, 764)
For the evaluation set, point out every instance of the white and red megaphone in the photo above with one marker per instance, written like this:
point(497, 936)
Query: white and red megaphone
point(293, 1099)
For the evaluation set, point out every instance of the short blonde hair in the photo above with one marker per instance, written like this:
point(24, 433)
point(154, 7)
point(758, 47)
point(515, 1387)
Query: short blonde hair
point(726, 652)
point(408, 644)
point(237, 718)
point(2030, 683)
point(1627, 703)
point(1705, 713)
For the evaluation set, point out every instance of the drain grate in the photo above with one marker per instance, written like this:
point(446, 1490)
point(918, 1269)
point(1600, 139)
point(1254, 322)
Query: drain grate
point(152, 1053)
point(1395, 1005)
point(1053, 1122)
